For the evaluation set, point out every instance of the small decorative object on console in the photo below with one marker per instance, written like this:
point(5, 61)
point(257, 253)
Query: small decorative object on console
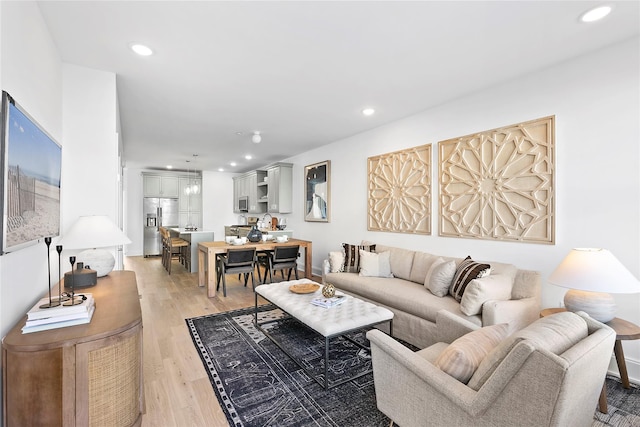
point(328, 290)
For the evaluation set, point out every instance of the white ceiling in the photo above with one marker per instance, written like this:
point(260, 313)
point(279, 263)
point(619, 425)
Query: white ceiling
point(301, 72)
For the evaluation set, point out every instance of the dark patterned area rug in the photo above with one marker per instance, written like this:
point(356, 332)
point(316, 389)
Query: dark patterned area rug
point(258, 385)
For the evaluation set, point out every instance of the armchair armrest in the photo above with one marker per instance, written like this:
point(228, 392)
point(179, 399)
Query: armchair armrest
point(516, 313)
point(450, 327)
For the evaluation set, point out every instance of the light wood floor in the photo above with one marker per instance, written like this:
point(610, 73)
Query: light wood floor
point(177, 389)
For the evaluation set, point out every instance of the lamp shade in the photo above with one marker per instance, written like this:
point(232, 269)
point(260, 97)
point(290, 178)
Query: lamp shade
point(94, 231)
point(594, 270)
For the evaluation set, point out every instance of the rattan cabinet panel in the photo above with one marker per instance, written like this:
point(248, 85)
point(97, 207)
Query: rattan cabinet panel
point(84, 375)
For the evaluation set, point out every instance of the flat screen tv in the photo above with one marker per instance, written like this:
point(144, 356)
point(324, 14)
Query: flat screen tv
point(30, 170)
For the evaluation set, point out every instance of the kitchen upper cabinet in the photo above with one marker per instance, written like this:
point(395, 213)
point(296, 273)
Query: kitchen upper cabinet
point(280, 188)
point(251, 185)
point(160, 185)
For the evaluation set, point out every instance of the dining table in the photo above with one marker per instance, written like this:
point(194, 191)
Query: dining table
point(207, 258)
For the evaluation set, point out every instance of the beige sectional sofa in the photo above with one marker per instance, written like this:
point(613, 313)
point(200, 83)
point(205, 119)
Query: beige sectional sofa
point(415, 308)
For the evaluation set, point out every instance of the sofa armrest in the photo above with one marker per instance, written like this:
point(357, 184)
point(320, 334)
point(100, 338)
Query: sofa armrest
point(450, 327)
point(516, 313)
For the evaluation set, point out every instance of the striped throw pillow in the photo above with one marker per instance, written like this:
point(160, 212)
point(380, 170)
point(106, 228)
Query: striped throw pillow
point(352, 256)
point(465, 273)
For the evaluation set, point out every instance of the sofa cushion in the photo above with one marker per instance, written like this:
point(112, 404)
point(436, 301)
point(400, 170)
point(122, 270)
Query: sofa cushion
point(439, 280)
point(556, 333)
point(398, 294)
point(422, 263)
point(374, 264)
point(492, 287)
point(352, 256)
point(336, 261)
point(463, 356)
point(401, 260)
point(465, 273)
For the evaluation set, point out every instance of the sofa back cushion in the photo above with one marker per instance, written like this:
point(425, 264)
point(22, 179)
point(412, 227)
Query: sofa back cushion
point(401, 261)
point(556, 333)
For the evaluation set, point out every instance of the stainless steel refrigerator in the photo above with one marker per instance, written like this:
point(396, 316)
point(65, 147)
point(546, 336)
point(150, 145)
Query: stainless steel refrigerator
point(157, 212)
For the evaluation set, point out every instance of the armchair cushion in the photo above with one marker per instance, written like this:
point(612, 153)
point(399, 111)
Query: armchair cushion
point(463, 356)
point(555, 333)
point(479, 291)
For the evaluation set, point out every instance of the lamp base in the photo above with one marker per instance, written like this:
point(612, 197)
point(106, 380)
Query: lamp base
point(599, 305)
point(99, 260)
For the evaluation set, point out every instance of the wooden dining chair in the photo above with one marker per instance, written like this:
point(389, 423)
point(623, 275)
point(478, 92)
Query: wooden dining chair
point(283, 258)
point(236, 261)
point(174, 248)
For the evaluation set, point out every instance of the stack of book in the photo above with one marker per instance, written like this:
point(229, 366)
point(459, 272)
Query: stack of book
point(42, 319)
point(328, 302)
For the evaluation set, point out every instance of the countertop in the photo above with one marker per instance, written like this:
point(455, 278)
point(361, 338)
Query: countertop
point(185, 231)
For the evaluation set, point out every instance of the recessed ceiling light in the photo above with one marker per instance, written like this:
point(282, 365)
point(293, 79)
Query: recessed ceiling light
point(232, 164)
point(169, 167)
point(238, 133)
point(248, 157)
point(595, 14)
point(141, 49)
point(368, 111)
point(220, 169)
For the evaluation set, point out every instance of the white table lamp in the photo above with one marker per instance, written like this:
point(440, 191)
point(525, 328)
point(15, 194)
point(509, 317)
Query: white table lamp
point(592, 275)
point(95, 232)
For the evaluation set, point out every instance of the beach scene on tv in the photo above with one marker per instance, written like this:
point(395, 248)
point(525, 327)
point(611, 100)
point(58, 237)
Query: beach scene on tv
point(33, 182)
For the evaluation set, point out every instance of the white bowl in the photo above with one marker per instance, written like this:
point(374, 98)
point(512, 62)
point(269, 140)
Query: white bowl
point(282, 239)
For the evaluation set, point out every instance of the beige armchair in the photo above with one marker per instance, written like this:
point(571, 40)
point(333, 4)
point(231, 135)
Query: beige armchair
point(531, 378)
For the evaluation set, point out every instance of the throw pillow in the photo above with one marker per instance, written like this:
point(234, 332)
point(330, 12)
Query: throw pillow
point(479, 291)
point(431, 268)
point(556, 333)
point(352, 256)
point(466, 272)
point(463, 356)
point(375, 264)
point(336, 262)
point(441, 277)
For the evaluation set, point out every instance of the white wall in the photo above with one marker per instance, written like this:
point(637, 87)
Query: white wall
point(595, 99)
point(77, 107)
point(32, 74)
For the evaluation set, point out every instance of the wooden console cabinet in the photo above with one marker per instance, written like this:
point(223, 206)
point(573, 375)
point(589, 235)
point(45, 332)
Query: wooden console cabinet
point(81, 375)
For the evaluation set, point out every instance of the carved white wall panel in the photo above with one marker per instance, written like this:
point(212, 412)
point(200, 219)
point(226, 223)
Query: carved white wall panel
point(400, 191)
point(499, 184)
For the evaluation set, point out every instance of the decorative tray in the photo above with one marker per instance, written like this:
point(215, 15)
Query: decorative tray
point(304, 288)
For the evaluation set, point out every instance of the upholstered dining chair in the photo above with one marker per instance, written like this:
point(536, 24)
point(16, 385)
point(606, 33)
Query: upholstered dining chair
point(236, 261)
point(548, 374)
point(280, 259)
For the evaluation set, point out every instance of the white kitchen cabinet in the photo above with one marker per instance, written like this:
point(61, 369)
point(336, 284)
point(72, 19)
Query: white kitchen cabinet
point(280, 188)
point(160, 185)
point(251, 185)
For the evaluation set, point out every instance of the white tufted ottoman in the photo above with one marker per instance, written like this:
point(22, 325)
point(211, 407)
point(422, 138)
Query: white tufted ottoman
point(351, 315)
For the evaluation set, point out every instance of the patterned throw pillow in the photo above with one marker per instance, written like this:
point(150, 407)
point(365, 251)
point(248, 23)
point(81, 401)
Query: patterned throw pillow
point(463, 356)
point(352, 256)
point(465, 273)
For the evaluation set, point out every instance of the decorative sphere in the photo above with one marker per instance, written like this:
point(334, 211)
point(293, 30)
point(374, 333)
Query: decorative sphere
point(328, 290)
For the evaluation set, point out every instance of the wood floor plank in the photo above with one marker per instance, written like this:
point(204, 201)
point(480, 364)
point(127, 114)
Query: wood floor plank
point(177, 388)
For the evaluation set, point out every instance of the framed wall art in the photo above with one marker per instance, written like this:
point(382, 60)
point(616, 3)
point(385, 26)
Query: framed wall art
point(317, 193)
point(499, 184)
point(399, 198)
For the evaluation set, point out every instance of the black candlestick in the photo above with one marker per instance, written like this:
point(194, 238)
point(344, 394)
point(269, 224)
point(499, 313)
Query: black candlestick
point(47, 241)
point(60, 276)
point(72, 298)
